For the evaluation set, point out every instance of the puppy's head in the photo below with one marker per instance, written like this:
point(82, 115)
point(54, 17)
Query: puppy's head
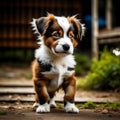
point(59, 34)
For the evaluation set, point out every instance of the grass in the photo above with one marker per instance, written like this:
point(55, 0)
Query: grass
point(59, 105)
point(91, 105)
point(87, 105)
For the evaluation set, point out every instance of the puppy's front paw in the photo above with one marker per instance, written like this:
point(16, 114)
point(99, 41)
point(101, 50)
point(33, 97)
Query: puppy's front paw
point(43, 108)
point(70, 107)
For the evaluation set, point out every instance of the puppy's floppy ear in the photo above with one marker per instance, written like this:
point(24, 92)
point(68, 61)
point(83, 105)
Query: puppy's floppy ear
point(39, 25)
point(79, 29)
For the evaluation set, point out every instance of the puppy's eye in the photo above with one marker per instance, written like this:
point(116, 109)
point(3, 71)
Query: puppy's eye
point(56, 35)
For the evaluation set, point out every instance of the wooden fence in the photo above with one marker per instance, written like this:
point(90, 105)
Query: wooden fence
point(15, 16)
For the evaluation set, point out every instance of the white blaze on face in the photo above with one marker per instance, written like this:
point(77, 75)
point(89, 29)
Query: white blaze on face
point(65, 25)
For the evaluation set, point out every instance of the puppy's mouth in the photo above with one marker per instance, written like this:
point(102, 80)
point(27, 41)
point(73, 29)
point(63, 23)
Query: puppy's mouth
point(62, 52)
point(64, 49)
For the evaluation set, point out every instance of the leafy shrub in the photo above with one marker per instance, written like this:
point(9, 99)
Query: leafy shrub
point(104, 73)
point(83, 64)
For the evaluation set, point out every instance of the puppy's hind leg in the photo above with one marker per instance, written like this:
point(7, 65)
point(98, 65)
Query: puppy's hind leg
point(52, 101)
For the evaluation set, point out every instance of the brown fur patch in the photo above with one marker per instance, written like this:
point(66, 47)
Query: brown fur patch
point(72, 36)
point(40, 84)
point(70, 88)
point(48, 42)
point(51, 17)
point(77, 26)
point(54, 44)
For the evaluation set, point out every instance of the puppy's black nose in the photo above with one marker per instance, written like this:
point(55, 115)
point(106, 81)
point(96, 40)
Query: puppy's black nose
point(66, 47)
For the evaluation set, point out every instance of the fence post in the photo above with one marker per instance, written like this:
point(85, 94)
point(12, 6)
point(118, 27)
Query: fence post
point(109, 14)
point(94, 28)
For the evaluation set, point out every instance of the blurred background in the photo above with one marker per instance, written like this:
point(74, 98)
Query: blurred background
point(102, 22)
point(17, 43)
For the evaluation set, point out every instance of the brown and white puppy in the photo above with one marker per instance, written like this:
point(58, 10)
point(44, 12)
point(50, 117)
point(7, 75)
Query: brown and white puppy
point(53, 67)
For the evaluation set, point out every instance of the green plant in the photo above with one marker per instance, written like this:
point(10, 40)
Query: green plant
point(115, 106)
point(104, 73)
point(90, 105)
point(83, 64)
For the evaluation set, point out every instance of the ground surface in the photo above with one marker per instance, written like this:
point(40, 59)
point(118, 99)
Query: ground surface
point(19, 106)
point(26, 112)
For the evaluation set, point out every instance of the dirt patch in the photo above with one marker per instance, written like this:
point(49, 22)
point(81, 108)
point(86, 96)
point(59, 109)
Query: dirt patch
point(25, 111)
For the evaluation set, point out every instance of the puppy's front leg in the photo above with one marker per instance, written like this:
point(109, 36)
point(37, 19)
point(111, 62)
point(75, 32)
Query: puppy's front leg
point(70, 89)
point(42, 97)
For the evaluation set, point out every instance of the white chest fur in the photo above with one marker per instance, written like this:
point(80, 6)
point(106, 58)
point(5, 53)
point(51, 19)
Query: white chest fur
point(59, 69)
point(57, 74)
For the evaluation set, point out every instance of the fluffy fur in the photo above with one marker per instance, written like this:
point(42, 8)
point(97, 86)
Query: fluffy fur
point(53, 67)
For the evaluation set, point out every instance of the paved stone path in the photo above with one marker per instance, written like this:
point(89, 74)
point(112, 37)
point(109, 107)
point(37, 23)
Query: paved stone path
point(14, 90)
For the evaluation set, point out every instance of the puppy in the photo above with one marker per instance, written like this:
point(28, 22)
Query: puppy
point(53, 67)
